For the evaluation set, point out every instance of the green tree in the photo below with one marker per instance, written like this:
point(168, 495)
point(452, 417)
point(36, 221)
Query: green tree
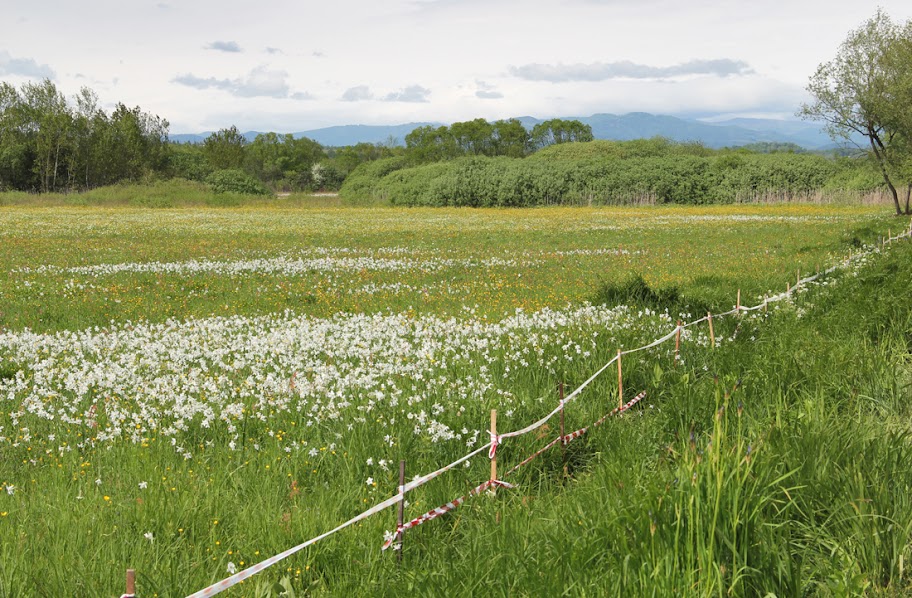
point(859, 92)
point(47, 121)
point(224, 149)
point(556, 130)
point(510, 138)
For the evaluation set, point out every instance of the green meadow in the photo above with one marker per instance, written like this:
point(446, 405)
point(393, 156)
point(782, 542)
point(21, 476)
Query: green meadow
point(189, 391)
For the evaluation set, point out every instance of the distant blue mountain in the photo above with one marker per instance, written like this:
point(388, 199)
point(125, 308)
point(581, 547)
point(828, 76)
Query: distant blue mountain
point(635, 125)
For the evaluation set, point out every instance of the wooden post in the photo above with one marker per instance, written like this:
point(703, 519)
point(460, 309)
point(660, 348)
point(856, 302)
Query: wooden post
point(677, 343)
point(620, 383)
point(788, 289)
point(765, 302)
point(798, 279)
point(493, 435)
point(738, 304)
point(401, 518)
point(712, 335)
point(131, 582)
point(562, 443)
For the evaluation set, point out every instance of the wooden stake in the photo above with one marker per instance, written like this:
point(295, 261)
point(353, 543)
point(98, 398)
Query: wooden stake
point(712, 335)
point(131, 582)
point(738, 304)
point(765, 302)
point(788, 289)
point(620, 382)
point(562, 433)
point(401, 518)
point(677, 344)
point(493, 435)
point(798, 279)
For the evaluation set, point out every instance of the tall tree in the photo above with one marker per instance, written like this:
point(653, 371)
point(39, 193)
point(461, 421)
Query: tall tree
point(858, 93)
point(225, 148)
point(557, 130)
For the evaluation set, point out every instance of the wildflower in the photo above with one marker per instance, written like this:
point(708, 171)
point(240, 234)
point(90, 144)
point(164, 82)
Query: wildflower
point(143, 485)
point(232, 569)
point(370, 482)
point(10, 489)
point(148, 536)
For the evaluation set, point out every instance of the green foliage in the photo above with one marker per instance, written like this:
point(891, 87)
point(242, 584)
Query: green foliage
point(47, 145)
point(865, 91)
point(235, 181)
point(608, 173)
point(361, 185)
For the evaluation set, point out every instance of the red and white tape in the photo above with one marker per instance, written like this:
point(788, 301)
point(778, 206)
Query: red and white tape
point(442, 510)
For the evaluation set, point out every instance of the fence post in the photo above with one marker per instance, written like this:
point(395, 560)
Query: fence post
point(401, 518)
point(131, 583)
point(493, 438)
point(677, 343)
point(620, 382)
point(562, 442)
point(712, 335)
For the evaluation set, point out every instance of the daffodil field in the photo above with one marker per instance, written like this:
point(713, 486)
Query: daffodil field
point(187, 392)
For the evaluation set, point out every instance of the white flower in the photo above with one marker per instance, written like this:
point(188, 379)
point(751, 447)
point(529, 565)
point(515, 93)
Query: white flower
point(370, 481)
point(232, 569)
point(370, 461)
point(10, 489)
point(143, 485)
point(148, 536)
point(98, 482)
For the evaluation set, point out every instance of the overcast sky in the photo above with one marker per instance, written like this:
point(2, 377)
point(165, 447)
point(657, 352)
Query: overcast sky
point(297, 65)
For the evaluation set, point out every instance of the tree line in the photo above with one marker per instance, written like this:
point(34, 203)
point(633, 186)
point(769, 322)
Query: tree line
point(50, 144)
point(608, 173)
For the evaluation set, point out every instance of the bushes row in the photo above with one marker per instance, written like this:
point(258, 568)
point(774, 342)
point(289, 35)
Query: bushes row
point(598, 173)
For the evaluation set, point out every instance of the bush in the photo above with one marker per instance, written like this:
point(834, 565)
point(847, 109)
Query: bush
point(235, 181)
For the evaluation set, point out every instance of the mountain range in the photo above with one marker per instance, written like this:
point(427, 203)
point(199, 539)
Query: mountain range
point(635, 125)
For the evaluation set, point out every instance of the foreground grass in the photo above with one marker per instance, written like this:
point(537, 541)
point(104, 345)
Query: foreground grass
point(793, 483)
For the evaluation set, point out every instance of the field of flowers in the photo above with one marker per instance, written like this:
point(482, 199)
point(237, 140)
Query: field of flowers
point(188, 392)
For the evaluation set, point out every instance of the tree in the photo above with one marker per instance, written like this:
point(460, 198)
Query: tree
point(861, 92)
point(510, 138)
point(225, 149)
point(556, 130)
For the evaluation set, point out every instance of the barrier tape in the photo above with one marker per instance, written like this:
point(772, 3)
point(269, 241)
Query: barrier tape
point(532, 456)
point(442, 510)
point(250, 571)
point(616, 411)
point(391, 537)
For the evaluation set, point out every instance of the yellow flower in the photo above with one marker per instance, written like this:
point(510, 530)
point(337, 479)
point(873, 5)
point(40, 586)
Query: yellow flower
point(107, 497)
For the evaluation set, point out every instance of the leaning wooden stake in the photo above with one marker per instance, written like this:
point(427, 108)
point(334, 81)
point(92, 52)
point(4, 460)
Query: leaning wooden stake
point(401, 518)
point(562, 433)
point(738, 304)
point(620, 382)
point(712, 335)
point(493, 436)
point(677, 343)
point(131, 583)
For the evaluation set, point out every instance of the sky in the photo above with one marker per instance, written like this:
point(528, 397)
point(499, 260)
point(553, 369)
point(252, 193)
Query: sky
point(296, 65)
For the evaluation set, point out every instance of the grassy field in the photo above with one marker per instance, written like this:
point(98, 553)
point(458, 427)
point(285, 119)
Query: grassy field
point(190, 391)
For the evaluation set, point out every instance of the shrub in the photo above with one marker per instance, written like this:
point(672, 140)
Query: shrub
point(235, 181)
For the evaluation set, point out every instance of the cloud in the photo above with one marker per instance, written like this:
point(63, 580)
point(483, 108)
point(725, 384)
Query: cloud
point(221, 46)
point(24, 67)
point(412, 93)
point(270, 50)
point(318, 54)
point(624, 69)
point(487, 92)
point(259, 82)
point(301, 95)
point(357, 94)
